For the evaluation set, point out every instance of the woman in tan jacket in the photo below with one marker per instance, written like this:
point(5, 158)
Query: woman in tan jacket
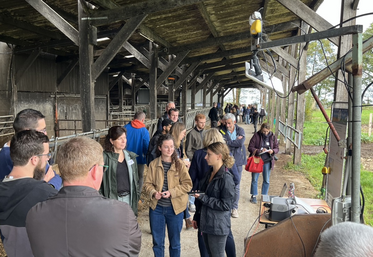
point(167, 184)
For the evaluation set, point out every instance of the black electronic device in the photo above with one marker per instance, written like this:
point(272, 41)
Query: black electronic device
point(280, 208)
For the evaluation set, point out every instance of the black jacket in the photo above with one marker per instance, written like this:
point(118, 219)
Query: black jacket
point(213, 213)
point(214, 114)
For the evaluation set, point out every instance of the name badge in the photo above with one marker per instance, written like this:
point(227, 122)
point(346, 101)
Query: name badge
point(267, 143)
point(130, 162)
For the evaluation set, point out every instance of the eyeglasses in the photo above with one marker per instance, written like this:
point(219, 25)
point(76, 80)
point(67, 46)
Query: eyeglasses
point(104, 167)
point(49, 155)
point(42, 131)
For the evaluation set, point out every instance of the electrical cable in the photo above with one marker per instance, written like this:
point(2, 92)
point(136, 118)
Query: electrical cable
point(318, 238)
point(362, 204)
point(350, 19)
point(292, 221)
point(248, 233)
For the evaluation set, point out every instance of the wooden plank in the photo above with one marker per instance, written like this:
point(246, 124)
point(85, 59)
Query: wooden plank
point(54, 18)
point(67, 71)
point(174, 63)
point(183, 77)
point(138, 55)
point(10, 20)
point(309, 16)
point(204, 82)
point(153, 81)
point(27, 64)
point(102, 17)
point(87, 86)
point(114, 46)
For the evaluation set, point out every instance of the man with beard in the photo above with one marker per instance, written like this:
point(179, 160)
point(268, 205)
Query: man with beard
point(170, 105)
point(19, 191)
point(234, 136)
point(25, 120)
point(151, 154)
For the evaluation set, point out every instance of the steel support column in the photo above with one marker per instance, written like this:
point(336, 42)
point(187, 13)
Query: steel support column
point(357, 63)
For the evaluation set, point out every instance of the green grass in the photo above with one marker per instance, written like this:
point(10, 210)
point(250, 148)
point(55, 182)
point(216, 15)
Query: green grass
point(311, 167)
point(315, 129)
point(314, 134)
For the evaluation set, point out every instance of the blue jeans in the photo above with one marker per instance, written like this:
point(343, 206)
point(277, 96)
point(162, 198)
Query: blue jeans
point(237, 187)
point(265, 185)
point(247, 120)
point(159, 218)
point(230, 247)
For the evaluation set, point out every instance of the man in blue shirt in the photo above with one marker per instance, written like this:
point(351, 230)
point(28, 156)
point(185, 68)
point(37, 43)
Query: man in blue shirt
point(138, 142)
point(25, 120)
point(235, 138)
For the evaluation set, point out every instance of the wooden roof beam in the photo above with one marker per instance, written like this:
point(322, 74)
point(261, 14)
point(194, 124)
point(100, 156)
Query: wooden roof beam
point(173, 64)
point(103, 17)
point(54, 18)
point(112, 49)
point(309, 16)
point(10, 20)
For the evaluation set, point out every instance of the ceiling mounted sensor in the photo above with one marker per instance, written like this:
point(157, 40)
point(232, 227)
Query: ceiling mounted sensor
point(253, 70)
point(262, 79)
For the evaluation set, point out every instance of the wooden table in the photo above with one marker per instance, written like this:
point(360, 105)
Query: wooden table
point(314, 203)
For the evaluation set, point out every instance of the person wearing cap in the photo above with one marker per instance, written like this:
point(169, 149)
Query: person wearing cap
point(152, 149)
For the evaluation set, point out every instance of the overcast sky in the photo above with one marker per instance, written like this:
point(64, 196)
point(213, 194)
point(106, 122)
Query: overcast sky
point(330, 10)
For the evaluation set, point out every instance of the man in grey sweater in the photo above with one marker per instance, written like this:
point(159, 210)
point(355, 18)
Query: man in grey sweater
point(84, 222)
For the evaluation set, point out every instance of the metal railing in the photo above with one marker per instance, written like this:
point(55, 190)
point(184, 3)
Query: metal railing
point(54, 142)
point(290, 133)
point(6, 125)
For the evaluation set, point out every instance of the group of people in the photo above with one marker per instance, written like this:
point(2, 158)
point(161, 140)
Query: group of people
point(95, 181)
point(248, 115)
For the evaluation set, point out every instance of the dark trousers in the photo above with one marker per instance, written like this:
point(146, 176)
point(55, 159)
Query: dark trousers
point(230, 247)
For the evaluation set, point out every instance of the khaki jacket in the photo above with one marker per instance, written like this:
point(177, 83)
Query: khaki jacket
point(179, 184)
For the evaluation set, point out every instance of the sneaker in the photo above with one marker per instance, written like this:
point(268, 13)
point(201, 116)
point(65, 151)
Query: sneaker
point(253, 199)
point(192, 208)
point(234, 213)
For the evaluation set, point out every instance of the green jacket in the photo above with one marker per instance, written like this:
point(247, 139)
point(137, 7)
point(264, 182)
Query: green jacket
point(109, 180)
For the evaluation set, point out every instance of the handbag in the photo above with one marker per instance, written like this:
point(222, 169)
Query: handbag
point(254, 164)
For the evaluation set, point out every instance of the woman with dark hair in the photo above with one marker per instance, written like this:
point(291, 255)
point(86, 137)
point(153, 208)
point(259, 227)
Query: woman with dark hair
point(263, 142)
point(121, 180)
point(214, 206)
point(197, 171)
point(167, 184)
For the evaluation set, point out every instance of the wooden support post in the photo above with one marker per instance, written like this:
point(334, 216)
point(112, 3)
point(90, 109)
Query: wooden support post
point(283, 103)
point(171, 93)
point(153, 81)
point(204, 96)
point(120, 94)
point(290, 119)
point(184, 107)
point(301, 99)
point(345, 44)
point(212, 97)
point(133, 92)
point(278, 108)
point(193, 96)
point(87, 89)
